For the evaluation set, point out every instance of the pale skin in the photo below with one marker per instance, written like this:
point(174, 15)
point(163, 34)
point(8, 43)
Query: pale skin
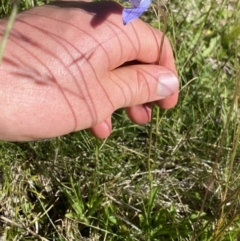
point(64, 69)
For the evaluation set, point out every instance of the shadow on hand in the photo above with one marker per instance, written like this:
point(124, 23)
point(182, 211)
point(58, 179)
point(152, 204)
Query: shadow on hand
point(99, 10)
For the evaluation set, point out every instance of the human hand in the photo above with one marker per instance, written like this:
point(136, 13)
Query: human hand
point(67, 67)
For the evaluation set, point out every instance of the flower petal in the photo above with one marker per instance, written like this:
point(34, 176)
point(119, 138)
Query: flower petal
point(129, 14)
point(135, 3)
point(145, 3)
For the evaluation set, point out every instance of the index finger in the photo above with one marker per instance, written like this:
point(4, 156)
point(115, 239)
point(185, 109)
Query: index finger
point(143, 43)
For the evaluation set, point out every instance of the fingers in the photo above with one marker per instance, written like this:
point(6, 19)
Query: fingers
point(143, 44)
point(169, 102)
point(120, 43)
point(139, 84)
point(140, 114)
point(133, 86)
point(103, 129)
point(135, 41)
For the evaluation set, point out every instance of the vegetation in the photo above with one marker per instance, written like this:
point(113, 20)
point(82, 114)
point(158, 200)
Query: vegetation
point(183, 183)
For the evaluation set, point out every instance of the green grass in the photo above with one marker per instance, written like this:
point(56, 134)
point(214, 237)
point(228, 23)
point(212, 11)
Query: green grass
point(76, 187)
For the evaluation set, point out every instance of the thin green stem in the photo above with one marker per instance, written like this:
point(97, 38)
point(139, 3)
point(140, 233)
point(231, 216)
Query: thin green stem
point(160, 11)
point(8, 28)
point(150, 178)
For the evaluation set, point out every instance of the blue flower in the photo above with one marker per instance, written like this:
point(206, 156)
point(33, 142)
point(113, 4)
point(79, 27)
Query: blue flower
point(137, 9)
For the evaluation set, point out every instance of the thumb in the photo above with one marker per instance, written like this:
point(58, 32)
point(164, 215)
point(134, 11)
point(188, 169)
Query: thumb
point(139, 84)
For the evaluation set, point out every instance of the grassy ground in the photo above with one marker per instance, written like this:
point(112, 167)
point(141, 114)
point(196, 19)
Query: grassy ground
point(78, 188)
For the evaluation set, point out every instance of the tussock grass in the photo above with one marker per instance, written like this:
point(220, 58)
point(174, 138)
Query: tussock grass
point(78, 188)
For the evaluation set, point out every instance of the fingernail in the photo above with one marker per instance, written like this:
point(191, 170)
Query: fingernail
point(167, 84)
